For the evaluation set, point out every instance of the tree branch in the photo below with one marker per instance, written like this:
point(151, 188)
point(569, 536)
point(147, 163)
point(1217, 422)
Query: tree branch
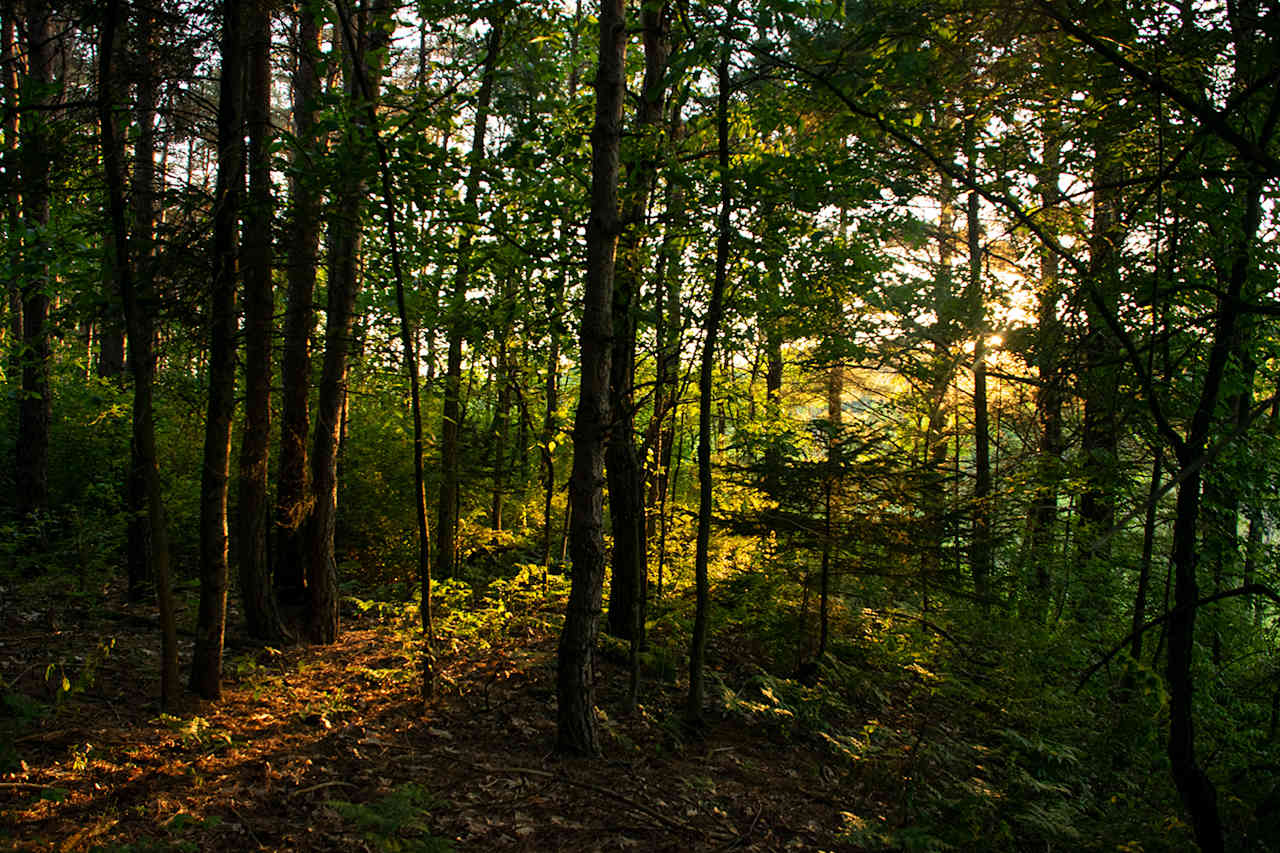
point(1247, 589)
point(1212, 119)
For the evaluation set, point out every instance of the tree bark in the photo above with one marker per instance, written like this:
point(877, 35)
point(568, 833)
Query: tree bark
point(501, 427)
point(1098, 434)
point(669, 310)
point(411, 356)
point(138, 535)
point(261, 615)
point(554, 301)
point(110, 319)
point(773, 378)
point(447, 526)
point(141, 346)
point(981, 559)
point(1148, 546)
point(941, 370)
point(294, 501)
point(36, 146)
point(575, 691)
point(628, 589)
point(13, 166)
point(554, 305)
point(206, 666)
point(711, 328)
point(1198, 793)
point(366, 52)
point(1043, 517)
point(835, 412)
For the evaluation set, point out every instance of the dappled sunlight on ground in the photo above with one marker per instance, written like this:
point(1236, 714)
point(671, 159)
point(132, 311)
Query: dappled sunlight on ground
point(332, 749)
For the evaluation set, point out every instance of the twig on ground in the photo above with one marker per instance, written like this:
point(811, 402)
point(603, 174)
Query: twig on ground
point(40, 785)
point(331, 783)
point(247, 827)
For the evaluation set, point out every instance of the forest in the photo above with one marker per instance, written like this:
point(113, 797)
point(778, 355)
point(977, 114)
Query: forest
point(663, 425)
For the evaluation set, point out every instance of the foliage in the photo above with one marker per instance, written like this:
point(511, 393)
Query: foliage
point(395, 822)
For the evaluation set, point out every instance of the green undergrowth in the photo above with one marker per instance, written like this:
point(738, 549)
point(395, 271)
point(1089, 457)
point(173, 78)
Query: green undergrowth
point(395, 822)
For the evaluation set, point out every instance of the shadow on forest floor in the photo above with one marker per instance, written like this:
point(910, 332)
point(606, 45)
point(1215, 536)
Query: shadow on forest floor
point(332, 749)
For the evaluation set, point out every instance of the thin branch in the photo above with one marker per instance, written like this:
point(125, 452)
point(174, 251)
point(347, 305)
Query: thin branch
point(1247, 589)
point(1212, 119)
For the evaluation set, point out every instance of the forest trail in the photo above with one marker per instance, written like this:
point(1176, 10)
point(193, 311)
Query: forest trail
point(332, 749)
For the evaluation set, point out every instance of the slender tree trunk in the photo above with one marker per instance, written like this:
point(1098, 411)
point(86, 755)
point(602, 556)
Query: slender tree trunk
point(628, 589)
point(575, 690)
point(554, 307)
point(142, 352)
point(411, 356)
point(1042, 519)
point(293, 495)
point(1148, 546)
point(447, 526)
point(110, 319)
point(773, 379)
point(711, 328)
point(1253, 546)
point(981, 560)
point(501, 427)
point(261, 615)
point(1198, 793)
point(13, 166)
point(36, 150)
point(110, 324)
point(660, 436)
point(366, 52)
point(941, 371)
point(206, 667)
point(835, 412)
point(554, 304)
point(138, 536)
point(1098, 435)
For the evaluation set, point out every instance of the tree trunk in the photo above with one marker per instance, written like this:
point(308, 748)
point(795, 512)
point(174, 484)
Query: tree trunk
point(293, 495)
point(110, 319)
point(501, 427)
point(773, 379)
point(981, 560)
point(206, 667)
point(554, 306)
point(554, 301)
point(575, 691)
point(835, 412)
point(1098, 434)
point(12, 166)
point(36, 146)
point(1042, 519)
point(138, 536)
point(1148, 546)
point(447, 527)
point(627, 592)
point(408, 343)
point(1199, 796)
point(941, 371)
point(142, 353)
point(261, 615)
point(660, 436)
point(1198, 793)
point(366, 52)
point(711, 328)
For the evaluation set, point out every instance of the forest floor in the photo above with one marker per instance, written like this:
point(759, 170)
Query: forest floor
point(331, 748)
